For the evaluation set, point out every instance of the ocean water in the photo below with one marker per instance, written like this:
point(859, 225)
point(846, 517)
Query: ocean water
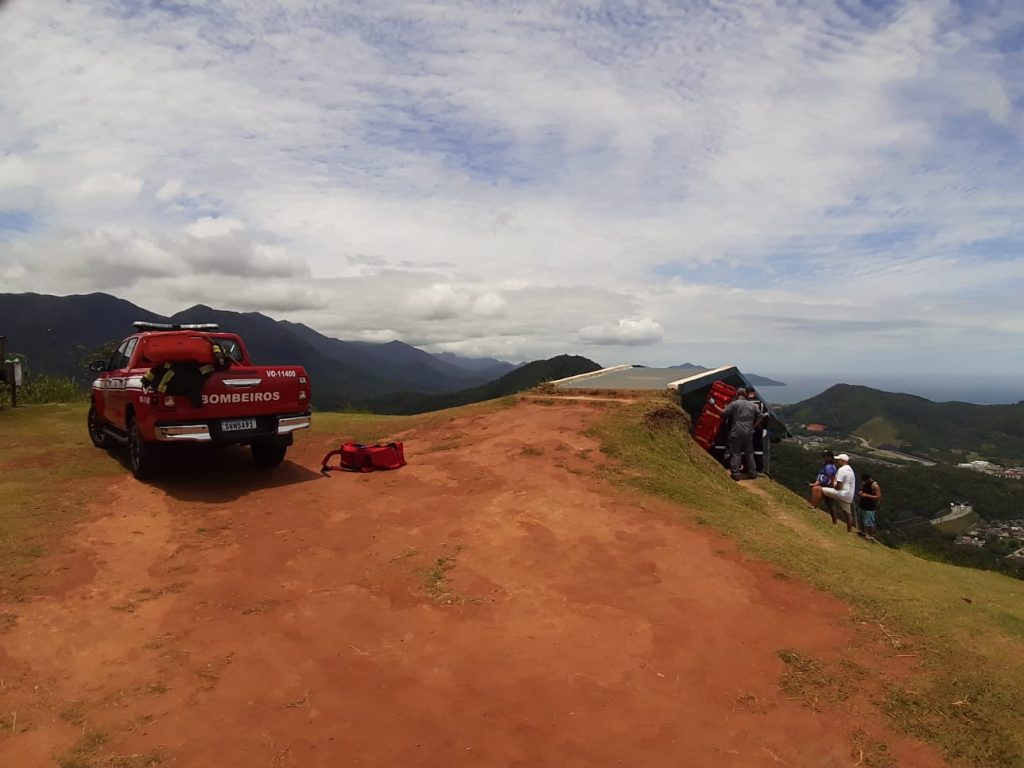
point(980, 390)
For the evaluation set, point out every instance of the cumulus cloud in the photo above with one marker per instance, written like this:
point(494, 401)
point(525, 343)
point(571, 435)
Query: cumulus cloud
point(503, 181)
point(169, 190)
point(627, 332)
point(15, 171)
point(489, 304)
point(109, 184)
point(213, 226)
point(243, 294)
point(112, 258)
point(438, 302)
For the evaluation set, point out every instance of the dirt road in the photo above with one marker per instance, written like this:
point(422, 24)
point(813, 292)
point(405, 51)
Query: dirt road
point(494, 603)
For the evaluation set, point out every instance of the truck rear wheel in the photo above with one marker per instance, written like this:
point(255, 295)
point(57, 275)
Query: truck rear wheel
point(97, 433)
point(143, 455)
point(269, 453)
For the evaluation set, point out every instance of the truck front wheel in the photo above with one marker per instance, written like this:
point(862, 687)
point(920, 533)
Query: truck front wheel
point(97, 433)
point(143, 455)
point(269, 453)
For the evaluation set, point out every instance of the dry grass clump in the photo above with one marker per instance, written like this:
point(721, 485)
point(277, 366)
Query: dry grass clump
point(666, 416)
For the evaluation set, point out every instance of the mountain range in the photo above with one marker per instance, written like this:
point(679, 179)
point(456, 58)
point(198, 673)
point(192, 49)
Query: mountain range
point(60, 333)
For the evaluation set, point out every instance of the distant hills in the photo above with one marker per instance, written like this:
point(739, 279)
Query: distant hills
point(950, 432)
point(524, 377)
point(753, 378)
point(60, 333)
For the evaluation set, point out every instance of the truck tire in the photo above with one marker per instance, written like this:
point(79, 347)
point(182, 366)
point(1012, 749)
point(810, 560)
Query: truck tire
point(97, 434)
point(143, 456)
point(268, 453)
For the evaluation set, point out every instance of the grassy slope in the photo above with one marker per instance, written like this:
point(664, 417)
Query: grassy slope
point(878, 431)
point(972, 701)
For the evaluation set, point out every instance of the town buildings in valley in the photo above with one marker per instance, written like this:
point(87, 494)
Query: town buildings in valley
point(991, 468)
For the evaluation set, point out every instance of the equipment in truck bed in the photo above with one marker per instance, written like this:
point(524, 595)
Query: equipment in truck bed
point(177, 347)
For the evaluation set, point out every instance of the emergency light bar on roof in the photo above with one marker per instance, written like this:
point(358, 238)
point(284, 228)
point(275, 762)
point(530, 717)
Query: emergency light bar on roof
point(142, 325)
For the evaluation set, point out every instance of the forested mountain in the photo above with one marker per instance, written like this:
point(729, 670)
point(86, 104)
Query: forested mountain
point(943, 431)
point(58, 332)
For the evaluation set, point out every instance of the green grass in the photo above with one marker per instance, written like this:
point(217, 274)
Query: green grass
point(970, 700)
point(40, 389)
point(363, 427)
point(49, 473)
point(368, 427)
point(878, 431)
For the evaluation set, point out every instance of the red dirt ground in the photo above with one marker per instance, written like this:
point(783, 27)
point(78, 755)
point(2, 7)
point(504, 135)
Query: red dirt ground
point(494, 603)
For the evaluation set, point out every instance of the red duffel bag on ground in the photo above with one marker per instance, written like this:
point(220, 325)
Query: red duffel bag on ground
point(357, 457)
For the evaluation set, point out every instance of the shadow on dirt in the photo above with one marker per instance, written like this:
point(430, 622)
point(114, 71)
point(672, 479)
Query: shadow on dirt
point(217, 474)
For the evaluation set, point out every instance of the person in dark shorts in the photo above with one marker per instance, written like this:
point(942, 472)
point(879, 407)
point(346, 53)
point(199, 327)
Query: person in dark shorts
point(870, 496)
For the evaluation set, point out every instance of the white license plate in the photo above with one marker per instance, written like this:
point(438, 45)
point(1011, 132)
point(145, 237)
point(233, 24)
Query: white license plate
point(237, 425)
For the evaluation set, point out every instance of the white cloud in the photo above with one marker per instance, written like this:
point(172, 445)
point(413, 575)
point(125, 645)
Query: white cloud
point(438, 302)
point(500, 180)
point(213, 226)
point(628, 332)
point(15, 172)
point(170, 189)
point(110, 258)
point(109, 184)
point(489, 304)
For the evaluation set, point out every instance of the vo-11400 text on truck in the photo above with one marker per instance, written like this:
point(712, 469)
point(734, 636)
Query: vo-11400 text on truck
point(194, 384)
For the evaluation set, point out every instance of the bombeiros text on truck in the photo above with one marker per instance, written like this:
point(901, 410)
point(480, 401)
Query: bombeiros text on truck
point(181, 384)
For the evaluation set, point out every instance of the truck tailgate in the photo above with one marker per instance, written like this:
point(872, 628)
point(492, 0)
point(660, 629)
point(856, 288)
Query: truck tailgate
point(249, 391)
point(258, 390)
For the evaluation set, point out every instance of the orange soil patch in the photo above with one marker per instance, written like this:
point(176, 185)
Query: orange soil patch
point(494, 603)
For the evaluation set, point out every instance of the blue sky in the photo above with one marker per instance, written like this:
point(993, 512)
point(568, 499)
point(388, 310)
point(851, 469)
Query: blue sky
point(821, 187)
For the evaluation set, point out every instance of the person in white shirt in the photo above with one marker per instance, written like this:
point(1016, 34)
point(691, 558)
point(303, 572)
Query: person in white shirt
point(840, 495)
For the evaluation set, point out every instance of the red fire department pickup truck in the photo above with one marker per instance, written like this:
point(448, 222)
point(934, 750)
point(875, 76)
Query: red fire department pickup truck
point(258, 406)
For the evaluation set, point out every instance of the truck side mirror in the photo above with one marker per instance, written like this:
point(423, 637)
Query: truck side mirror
point(98, 366)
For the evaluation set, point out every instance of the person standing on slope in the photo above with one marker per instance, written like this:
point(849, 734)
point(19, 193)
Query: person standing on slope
point(742, 415)
point(870, 495)
point(826, 475)
point(840, 495)
point(761, 427)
